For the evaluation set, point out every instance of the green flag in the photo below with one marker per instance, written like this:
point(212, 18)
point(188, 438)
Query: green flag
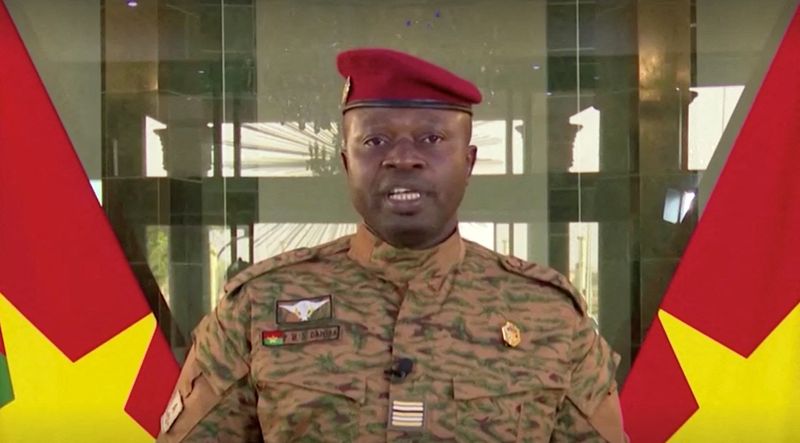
point(6, 393)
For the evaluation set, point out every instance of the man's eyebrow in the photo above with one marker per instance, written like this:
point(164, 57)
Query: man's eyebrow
point(377, 123)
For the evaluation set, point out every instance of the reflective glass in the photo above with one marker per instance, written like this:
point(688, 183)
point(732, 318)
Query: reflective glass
point(210, 130)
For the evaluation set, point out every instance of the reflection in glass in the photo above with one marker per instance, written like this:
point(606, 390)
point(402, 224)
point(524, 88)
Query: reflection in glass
point(520, 242)
point(158, 257)
point(586, 147)
point(97, 187)
point(490, 138)
point(153, 149)
point(583, 258)
point(677, 205)
point(481, 233)
point(290, 149)
point(296, 149)
point(709, 113)
point(502, 243)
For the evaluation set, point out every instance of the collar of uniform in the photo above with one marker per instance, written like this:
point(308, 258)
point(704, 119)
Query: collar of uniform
point(404, 265)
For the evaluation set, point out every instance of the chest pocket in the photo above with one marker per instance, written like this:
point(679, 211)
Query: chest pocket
point(502, 409)
point(326, 407)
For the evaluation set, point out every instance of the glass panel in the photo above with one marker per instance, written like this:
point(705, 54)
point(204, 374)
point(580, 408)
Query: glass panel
point(210, 130)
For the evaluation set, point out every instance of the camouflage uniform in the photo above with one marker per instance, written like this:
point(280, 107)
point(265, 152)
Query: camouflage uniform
point(260, 371)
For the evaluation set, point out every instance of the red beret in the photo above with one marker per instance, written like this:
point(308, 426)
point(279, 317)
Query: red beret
point(387, 78)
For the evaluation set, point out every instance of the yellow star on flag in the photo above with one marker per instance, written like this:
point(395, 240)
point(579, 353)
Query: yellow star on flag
point(58, 400)
point(740, 399)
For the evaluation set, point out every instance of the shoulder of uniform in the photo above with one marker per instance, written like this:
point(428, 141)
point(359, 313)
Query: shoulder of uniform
point(284, 260)
point(544, 275)
point(481, 252)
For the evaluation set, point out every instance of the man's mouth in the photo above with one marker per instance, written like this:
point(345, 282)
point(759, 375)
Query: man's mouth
point(399, 194)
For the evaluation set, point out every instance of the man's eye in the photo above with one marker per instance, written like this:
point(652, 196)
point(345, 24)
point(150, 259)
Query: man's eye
point(373, 142)
point(433, 139)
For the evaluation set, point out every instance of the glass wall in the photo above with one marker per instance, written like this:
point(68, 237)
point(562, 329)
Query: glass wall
point(210, 129)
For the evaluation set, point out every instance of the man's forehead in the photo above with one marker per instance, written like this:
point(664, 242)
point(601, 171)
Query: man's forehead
point(406, 116)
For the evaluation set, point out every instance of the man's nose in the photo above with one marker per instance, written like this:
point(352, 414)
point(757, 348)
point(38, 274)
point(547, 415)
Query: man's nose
point(404, 155)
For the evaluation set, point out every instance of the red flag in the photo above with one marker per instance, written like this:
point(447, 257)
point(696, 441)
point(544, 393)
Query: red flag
point(60, 264)
point(719, 360)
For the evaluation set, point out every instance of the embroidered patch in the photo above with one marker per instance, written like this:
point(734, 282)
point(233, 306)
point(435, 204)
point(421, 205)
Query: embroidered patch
point(272, 338)
point(407, 415)
point(300, 336)
point(304, 310)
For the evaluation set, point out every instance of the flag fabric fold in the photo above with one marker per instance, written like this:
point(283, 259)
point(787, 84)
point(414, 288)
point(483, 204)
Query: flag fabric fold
point(720, 361)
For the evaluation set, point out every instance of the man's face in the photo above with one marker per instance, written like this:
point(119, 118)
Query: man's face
point(407, 169)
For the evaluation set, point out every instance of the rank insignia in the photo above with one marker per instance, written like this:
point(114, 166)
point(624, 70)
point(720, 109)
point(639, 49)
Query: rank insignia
point(407, 415)
point(304, 310)
point(346, 90)
point(511, 335)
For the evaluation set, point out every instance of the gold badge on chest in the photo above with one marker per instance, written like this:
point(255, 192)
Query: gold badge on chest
point(511, 334)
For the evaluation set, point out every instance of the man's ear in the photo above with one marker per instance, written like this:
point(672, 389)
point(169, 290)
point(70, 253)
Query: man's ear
point(343, 147)
point(472, 156)
point(343, 156)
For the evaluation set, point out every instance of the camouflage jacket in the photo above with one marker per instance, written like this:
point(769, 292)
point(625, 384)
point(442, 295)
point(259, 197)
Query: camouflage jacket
point(299, 348)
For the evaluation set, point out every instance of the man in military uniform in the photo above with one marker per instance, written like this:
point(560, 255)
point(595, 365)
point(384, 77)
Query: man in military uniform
point(404, 331)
